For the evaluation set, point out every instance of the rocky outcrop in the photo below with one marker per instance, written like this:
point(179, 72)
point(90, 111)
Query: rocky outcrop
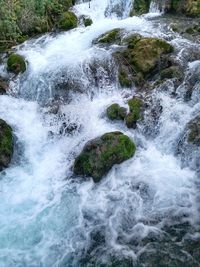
point(140, 7)
point(6, 144)
point(99, 155)
point(16, 64)
point(140, 60)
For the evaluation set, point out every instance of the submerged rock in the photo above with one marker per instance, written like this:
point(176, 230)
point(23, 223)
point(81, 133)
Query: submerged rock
point(87, 22)
point(99, 155)
point(115, 112)
point(16, 64)
point(6, 144)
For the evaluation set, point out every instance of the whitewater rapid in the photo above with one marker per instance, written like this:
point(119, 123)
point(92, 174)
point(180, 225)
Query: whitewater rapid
point(47, 215)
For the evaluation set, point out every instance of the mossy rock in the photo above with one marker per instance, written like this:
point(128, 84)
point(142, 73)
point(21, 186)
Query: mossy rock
point(194, 131)
point(115, 112)
point(171, 73)
point(146, 53)
point(99, 155)
point(87, 22)
point(6, 144)
point(135, 114)
point(124, 79)
point(68, 21)
point(16, 64)
point(140, 7)
point(110, 37)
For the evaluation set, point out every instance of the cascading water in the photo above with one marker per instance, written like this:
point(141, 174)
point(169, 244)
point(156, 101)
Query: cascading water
point(143, 210)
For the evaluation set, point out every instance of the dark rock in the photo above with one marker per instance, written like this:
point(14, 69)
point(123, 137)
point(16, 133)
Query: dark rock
point(99, 155)
point(3, 86)
point(6, 144)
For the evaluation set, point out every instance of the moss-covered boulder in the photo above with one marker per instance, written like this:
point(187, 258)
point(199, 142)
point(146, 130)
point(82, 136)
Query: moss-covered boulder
point(6, 144)
point(87, 22)
point(68, 21)
point(115, 112)
point(140, 7)
point(99, 155)
point(135, 107)
point(142, 59)
point(110, 37)
point(194, 131)
point(16, 64)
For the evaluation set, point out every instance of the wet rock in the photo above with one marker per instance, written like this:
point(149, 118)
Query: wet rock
point(68, 21)
point(3, 86)
point(194, 131)
point(115, 112)
point(135, 114)
point(99, 155)
point(87, 21)
point(16, 64)
point(141, 59)
point(6, 144)
point(110, 37)
point(171, 73)
point(140, 7)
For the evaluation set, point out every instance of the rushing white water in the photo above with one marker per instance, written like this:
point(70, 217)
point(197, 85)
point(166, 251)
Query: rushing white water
point(48, 217)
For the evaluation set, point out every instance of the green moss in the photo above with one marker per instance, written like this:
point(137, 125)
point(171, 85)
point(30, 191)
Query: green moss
point(16, 64)
point(6, 144)
point(87, 22)
point(100, 154)
point(140, 7)
point(135, 106)
point(171, 72)
point(115, 112)
point(110, 37)
point(68, 21)
point(124, 80)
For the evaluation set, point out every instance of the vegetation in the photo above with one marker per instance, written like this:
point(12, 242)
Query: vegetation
point(22, 18)
point(115, 112)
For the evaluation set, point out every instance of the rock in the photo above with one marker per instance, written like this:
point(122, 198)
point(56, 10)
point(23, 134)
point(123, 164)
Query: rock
point(68, 21)
point(115, 112)
point(194, 131)
point(110, 37)
point(16, 64)
point(190, 7)
point(171, 73)
point(99, 155)
point(87, 22)
point(141, 59)
point(3, 86)
point(140, 7)
point(6, 144)
point(135, 107)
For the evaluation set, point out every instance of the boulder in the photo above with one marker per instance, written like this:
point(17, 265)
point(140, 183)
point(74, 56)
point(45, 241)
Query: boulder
point(115, 112)
point(99, 155)
point(6, 144)
point(16, 64)
point(68, 21)
point(110, 37)
point(142, 58)
point(87, 22)
point(3, 86)
point(135, 114)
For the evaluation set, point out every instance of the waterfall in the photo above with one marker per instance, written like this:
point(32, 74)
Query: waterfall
point(145, 208)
